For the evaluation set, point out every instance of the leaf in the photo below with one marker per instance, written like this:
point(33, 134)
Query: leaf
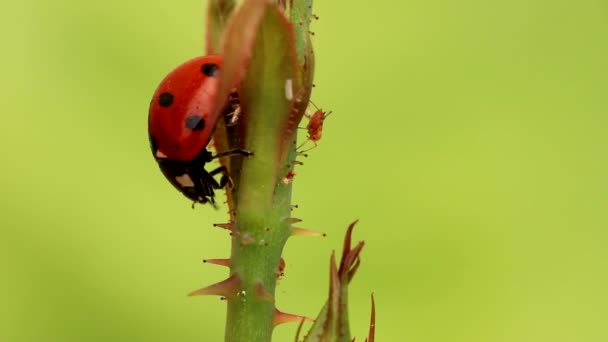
point(231, 33)
point(260, 55)
point(224, 138)
point(332, 322)
point(372, 323)
point(218, 12)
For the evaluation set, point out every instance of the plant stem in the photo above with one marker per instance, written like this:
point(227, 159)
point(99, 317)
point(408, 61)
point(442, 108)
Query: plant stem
point(261, 231)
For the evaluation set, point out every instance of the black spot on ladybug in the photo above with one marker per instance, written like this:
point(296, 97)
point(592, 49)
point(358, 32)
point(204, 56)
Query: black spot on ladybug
point(210, 69)
point(165, 99)
point(195, 122)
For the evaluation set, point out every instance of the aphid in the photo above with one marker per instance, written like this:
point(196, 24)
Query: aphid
point(314, 127)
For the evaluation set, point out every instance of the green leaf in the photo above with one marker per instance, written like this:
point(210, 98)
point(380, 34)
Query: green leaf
point(233, 38)
point(372, 323)
point(267, 98)
point(218, 12)
point(224, 137)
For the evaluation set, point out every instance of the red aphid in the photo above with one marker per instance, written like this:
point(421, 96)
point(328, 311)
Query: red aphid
point(289, 177)
point(315, 124)
point(315, 127)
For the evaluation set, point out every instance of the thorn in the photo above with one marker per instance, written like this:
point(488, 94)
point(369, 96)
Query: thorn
point(262, 293)
point(295, 231)
point(281, 317)
point(247, 239)
point(291, 220)
point(227, 288)
point(227, 226)
point(220, 262)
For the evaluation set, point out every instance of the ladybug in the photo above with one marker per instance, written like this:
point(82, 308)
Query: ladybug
point(181, 122)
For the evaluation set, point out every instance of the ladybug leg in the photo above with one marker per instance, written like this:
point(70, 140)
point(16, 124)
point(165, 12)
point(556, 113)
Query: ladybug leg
point(221, 169)
point(235, 151)
point(225, 180)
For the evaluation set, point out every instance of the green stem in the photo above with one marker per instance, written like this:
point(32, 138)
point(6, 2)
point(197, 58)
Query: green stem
point(272, 102)
point(261, 231)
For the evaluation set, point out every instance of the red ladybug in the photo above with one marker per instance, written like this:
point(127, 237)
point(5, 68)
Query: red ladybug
point(181, 122)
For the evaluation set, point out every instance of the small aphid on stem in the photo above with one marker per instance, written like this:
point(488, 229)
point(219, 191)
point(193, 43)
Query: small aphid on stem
point(314, 127)
point(289, 177)
point(233, 108)
point(235, 115)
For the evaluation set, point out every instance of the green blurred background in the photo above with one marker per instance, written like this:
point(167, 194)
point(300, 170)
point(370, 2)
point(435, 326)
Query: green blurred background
point(469, 138)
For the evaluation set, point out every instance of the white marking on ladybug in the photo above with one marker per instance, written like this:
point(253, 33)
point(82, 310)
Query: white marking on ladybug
point(159, 154)
point(289, 89)
point(185, 181)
